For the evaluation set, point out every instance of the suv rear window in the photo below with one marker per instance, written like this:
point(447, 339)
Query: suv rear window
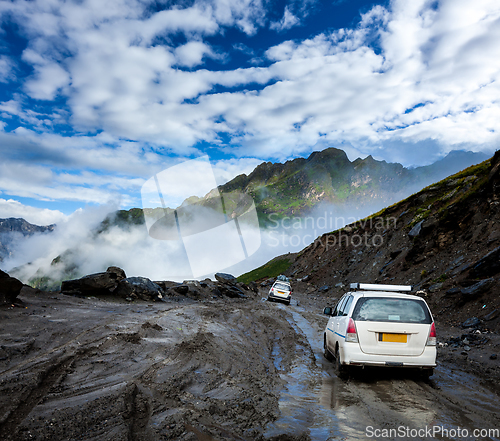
point(282, 286)
point(386, 309)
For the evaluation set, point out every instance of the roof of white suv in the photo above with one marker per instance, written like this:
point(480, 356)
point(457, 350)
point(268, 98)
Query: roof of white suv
point(383, 294)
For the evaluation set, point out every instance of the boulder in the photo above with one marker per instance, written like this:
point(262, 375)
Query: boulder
point(231, 291)
point(225, 278)
point(488, 265)
point(120, 274)
point(94, 284)
point(415, 231)
point(139, 288)
point(9, 288)
point(477, 289)
point(181, 289)
point(472, 322)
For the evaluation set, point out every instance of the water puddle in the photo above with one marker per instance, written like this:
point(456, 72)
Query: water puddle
point(313, 395)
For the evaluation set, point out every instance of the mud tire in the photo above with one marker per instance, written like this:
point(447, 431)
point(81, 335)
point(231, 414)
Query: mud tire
point(426, 374)
point(328, 355)
point(341, 370)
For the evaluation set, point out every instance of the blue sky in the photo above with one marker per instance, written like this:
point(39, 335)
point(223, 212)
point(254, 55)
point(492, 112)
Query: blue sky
point(96, 97)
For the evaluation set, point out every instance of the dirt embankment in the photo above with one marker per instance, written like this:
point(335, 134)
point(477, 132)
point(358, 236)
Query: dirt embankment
point(74, 368)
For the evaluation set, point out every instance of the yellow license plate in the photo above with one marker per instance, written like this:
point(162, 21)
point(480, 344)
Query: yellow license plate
point(281, 292)
point(394, 338)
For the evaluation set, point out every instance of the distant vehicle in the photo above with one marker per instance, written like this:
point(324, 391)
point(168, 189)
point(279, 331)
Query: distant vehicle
point(379, 325)
point(280, 291)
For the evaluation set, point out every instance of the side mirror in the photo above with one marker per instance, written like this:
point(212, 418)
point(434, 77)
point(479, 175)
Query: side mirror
point(327, 311)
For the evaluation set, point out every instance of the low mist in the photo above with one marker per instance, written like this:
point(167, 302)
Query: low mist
point(76, 248)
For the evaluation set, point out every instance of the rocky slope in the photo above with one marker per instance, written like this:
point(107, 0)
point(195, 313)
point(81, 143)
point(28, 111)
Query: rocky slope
point(444, 240)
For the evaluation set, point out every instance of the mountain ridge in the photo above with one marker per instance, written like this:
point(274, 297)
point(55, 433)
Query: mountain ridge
point(298, 186)
point(9, 227)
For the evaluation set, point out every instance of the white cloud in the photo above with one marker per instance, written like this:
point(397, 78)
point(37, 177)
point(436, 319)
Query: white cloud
point(6, 67)
point(192, 53)
point(48, 80)
point(34, 215)
point(288, 21)
point(408, 73)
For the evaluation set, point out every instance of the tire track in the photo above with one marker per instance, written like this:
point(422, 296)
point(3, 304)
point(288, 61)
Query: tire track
point(48, 379)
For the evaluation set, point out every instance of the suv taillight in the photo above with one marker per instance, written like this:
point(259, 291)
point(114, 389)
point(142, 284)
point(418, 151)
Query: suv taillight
point(351, 335)
point(431, 340)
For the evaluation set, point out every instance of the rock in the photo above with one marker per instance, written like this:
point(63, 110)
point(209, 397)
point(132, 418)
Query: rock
point(139, 288)
point(216, 292)
point(493, 356)
point(415, 231)
point(253, 286)
point(460, 269)
point(395, 253)
point(120, 274)
point(488, 265)
point(471, 322)
point(194, 283)
point(492, 315)
point(478, 288)
point(231, 291)
point(10, 288)
point(435, 287)
point(324, 288)
point(181, 289)
point(225, 278)
point(453, 291)
point(94, 284)
point(429, 224)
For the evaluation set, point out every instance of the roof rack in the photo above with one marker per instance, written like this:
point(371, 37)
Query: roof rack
point(379, 287)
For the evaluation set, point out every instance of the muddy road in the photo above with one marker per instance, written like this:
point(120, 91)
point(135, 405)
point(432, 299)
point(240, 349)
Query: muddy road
point(221, 369)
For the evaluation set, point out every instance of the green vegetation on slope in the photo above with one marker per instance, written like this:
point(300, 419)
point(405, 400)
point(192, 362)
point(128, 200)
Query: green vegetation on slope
point(272, 268)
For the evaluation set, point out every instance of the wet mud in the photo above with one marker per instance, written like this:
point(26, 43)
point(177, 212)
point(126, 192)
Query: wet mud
point(90, 369)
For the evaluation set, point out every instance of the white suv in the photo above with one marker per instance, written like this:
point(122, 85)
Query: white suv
point(379, 325)
point(281, 291)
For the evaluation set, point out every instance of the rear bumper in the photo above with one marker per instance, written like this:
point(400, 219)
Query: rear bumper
point(351, 354)
point(279, 298)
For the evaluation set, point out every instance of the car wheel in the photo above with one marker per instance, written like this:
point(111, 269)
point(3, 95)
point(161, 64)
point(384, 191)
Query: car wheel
point(341, 370)
point(425, 374)
point(328, 355)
